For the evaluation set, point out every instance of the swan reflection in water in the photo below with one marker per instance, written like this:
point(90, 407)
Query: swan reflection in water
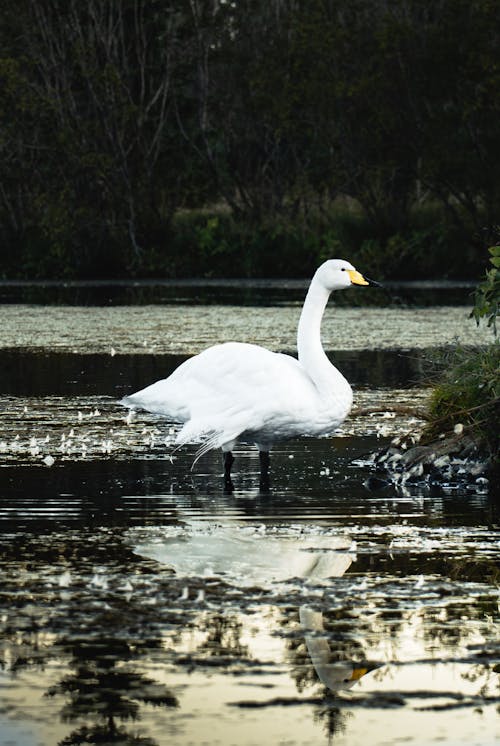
point(334, 674)
point(253, 557)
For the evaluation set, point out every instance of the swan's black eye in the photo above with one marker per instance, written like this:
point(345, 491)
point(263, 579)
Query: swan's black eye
point(342, 269)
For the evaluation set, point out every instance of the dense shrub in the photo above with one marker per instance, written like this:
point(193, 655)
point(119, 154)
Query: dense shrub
point(468, 392)
point(215, 243)
point(487, 297)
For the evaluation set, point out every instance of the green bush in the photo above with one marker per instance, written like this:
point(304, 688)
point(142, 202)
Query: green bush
point(218, 245)
point(469, 389)
point(487, 296)
point(214, 242)
point(469, 394)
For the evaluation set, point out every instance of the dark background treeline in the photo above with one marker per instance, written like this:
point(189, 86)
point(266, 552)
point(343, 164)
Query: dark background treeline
point(248, 138)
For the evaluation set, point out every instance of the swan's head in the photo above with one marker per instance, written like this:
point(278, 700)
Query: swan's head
point(336, 274)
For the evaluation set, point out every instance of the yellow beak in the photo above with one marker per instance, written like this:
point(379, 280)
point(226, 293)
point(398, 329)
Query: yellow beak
point(360, 670)
point(356, 277)
point(358, 673)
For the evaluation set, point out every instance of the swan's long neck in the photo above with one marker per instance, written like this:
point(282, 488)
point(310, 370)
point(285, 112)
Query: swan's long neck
point(327, 379)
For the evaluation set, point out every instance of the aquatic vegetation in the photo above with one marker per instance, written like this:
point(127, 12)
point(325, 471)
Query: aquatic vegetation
point(156, 329)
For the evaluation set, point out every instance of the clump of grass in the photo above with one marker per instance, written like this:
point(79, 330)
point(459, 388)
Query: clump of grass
point(468, 392)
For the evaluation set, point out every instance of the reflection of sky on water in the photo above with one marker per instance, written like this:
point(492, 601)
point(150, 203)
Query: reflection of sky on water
point(100, 635)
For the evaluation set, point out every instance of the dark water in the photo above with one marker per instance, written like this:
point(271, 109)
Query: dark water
point(143, 603)
point(29, 373)
point(220, 292)
point(313, 480)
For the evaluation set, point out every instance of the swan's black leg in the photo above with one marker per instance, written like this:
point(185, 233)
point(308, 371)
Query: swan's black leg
point(264, 469)
point(228, 462)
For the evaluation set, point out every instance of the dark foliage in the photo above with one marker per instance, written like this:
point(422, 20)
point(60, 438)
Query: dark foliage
point(468, 391)
point(265, 133)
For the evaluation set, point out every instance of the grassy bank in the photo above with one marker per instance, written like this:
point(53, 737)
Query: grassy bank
point(466, 399)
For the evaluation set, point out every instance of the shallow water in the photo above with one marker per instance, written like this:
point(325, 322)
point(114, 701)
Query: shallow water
point(142, 603)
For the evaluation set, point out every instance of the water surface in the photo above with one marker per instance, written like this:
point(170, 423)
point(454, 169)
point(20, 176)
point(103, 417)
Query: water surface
point(170, 329)
point(251, 292)
point(143, 603)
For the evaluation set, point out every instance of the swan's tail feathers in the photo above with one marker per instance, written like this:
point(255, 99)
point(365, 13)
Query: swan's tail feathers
point(211, 442)
point(205, 448)
point(128, 401)
point(208, 436)
point(218, 439)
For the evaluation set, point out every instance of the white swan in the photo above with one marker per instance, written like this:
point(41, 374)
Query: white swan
point(238, 391)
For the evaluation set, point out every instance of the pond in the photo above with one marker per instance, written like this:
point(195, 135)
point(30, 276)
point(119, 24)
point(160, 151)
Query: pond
point(144, 603)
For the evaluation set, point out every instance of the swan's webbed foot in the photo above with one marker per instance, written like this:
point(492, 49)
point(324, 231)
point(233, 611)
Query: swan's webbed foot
point(228, 462)
point(264, 469)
